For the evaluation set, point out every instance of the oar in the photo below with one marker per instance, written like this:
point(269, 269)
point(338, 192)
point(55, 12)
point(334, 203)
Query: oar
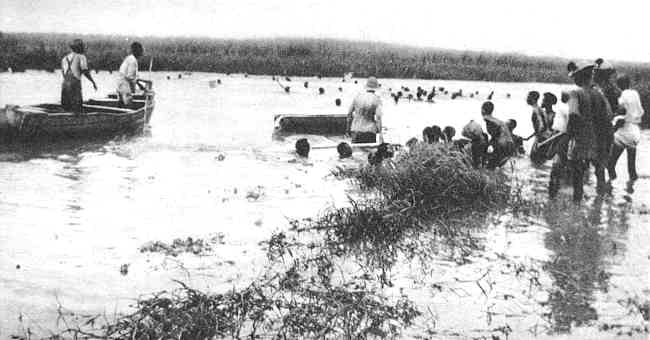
point(353, 145)
point(146, 97)
point(550, 139)
point(280, 84)
point(529, 137)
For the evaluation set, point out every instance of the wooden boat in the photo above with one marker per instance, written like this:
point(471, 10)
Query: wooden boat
point(335, 124)
point(101, 117)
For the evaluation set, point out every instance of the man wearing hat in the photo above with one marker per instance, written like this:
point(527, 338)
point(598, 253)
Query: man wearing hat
point(72, 67)
point(604, 78)
point(365, 114)
point(588, 109)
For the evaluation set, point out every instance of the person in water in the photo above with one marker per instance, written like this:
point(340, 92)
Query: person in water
point(73, 66)
point(302, 147)
point(383, 152)
point(436, 132)
point(365, 115)
point(548, 100)
point(560, 161)
point(589, 116)
point(448, 133)
point(478, 142)
point(501, 140)
point(344, 150)
point(604, 81)
point(128, 75)
point(541, 126)
point(518, 140)
point(628, 134)
point(428, 136)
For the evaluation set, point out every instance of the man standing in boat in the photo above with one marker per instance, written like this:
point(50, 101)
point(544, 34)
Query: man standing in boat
point(365, 114)
point(128, 75)
point(73, 66)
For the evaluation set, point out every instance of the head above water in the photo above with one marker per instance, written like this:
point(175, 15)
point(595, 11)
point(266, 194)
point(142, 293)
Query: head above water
point(487, 108)
point(136, 49)
point(383, 152)
point(427, 134)
point(411, 142)
point(77, 46)
point(344, 150)
point(302, 147)
point(437, 134)
point(532, 98)
point(449, 132)
point(623, 82)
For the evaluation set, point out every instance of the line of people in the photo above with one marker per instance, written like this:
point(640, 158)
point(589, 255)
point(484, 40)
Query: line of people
point(600, 120)
point(580, 134)
point(75, 65)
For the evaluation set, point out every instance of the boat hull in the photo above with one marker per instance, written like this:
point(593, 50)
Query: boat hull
point(335, 124)
point(101, 118)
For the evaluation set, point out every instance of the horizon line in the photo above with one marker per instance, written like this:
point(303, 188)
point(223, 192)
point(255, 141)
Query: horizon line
point(325, 38)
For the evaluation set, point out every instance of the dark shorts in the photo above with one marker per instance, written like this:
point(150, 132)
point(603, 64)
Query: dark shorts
point(364, 137)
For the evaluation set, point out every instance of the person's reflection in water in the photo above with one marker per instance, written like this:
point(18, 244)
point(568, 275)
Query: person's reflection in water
point(577, 267)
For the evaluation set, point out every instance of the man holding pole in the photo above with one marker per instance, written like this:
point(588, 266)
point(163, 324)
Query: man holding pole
point(128, 75)
point(365, 115)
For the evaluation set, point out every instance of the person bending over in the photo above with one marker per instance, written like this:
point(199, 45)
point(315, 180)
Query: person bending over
point(501, 139)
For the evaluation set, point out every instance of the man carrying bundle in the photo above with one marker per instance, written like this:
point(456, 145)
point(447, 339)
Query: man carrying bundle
point(365, 114)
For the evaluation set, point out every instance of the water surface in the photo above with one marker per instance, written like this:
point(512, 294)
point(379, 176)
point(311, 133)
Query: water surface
point(72, 214)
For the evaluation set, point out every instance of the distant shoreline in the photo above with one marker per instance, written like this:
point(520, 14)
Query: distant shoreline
point(300, 57)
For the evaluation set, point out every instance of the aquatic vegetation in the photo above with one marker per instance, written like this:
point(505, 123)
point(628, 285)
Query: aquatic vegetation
point(436, 179)
point(178, 246)
point(285, 306)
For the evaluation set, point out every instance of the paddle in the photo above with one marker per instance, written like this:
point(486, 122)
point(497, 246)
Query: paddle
point(529, 137)
point(550, 139)
point(353, 145)
point(146, 96)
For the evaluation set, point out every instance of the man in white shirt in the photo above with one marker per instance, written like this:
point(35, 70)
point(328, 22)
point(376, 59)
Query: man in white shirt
point(128, 75)
point(628, 134)
point(365, 115)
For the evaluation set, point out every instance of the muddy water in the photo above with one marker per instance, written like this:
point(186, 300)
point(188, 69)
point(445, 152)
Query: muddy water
point(72, 215)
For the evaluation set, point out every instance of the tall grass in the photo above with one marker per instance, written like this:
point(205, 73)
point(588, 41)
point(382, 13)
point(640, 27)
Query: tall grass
point(300, 57)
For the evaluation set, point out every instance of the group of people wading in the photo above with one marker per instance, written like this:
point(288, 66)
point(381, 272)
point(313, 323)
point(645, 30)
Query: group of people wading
point(599, 121)
point(75, 64)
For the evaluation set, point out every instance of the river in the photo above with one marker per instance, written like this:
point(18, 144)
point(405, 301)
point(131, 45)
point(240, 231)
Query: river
point(72, 215)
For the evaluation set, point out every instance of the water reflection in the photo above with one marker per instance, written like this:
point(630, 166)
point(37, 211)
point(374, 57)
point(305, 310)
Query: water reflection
point(582, 242)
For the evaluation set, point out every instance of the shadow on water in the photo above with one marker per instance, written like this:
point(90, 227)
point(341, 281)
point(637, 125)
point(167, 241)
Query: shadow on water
point(582, 240)
point(52, 148)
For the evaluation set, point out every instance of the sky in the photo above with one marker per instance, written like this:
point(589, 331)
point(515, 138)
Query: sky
point(574, 29)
